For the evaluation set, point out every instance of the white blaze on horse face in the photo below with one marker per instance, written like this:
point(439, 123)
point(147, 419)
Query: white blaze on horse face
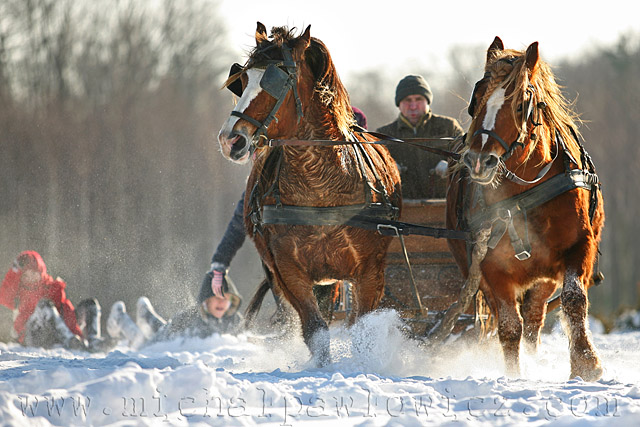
point(493, 107)
point(254, 75)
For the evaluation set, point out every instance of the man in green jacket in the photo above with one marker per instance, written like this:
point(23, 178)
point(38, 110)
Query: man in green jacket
point(422, 172)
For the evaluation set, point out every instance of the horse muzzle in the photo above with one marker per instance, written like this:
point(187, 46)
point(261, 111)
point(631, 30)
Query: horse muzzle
point(235, 146)
point(483, 167)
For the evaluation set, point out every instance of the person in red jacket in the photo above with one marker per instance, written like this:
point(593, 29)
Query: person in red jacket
point(45, 317)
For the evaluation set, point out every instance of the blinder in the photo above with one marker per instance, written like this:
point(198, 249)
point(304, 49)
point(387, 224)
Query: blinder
point(235, 86)
point(274, 81)
point(472, 102)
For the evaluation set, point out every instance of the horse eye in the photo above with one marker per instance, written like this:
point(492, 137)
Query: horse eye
point(519, 108)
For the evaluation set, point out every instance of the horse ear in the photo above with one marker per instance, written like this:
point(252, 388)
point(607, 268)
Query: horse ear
point(495, 48)
point(302, 43)
point(531, 57)
point(261, 33)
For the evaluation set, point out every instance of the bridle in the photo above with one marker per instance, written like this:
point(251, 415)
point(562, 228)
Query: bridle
point(280, 76)
point(532, 108)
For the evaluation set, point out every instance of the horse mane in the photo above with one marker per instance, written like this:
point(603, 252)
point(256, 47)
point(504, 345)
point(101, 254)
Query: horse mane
point(329, 88)
point(507, 67)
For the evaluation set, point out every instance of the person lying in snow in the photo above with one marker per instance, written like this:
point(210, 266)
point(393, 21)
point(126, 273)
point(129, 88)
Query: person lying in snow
point(44, 317)
point(214, 315)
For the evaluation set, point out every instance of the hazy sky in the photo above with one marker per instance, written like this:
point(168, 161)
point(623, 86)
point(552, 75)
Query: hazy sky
point(399, 36)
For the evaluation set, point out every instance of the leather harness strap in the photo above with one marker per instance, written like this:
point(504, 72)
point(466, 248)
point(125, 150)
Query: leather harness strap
point(327, 215)
point(373, 217)
point(384, 140)
point(536, 196)
point(288, 80)
point(499, 216)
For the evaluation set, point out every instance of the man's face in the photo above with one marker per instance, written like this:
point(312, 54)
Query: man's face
point(217, 306)
point(413, 107)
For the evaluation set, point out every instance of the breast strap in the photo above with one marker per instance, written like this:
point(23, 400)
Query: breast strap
point(499, 216)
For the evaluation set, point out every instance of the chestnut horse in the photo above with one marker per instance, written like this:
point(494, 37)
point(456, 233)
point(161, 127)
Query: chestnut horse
point(541, 190)
point(299, 196)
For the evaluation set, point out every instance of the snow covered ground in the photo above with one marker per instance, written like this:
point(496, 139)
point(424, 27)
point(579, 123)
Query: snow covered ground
point(378, 377)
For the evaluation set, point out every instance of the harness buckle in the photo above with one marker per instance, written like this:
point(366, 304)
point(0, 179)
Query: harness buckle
point(391, 227)
point(257, 143)
point(504, 214)
point(523, 255)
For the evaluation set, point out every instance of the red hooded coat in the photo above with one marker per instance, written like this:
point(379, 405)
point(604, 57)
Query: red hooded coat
point(14, 295)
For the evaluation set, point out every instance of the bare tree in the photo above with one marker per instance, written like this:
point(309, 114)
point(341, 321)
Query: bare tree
point(607, 89)
point(109, 146)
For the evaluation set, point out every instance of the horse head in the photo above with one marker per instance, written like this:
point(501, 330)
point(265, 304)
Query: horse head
point(506, 108)
point(275, 86)
point(269, 92)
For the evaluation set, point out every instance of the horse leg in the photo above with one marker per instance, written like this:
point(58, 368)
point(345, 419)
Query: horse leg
point(325, 297)
point(367, 292)
point(283, 316)
point(509, 330)
point(298, 290)
point(534, 311)
point(584, 360)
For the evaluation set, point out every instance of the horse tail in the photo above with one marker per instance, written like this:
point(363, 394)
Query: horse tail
point(256, 302)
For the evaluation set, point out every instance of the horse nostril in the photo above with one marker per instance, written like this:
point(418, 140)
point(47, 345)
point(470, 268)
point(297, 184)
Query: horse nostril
point(491, 161)
point(466, 158)
point(239, 143)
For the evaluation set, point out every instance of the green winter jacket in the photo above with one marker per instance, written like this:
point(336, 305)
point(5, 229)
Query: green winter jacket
point(419, 180)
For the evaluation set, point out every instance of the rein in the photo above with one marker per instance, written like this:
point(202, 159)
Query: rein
point(384, 140)
point(516, 179)
point(370, 216)
point(499, 216)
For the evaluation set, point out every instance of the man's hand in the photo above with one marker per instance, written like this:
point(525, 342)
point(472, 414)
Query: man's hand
point(441, 169)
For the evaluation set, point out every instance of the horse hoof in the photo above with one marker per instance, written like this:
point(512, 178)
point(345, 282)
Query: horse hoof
point(513, 373)
point(322, 362)
point(590, 370)
point(321, 357)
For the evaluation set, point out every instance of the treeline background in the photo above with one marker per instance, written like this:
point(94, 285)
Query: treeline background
point(109, 166)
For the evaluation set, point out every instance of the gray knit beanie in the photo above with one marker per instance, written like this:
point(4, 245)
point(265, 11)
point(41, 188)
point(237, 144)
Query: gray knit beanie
point(413, 85)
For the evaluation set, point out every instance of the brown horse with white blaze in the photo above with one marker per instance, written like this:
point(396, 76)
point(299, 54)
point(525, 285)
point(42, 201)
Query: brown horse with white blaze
point(298, 197)
point(524, 173)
